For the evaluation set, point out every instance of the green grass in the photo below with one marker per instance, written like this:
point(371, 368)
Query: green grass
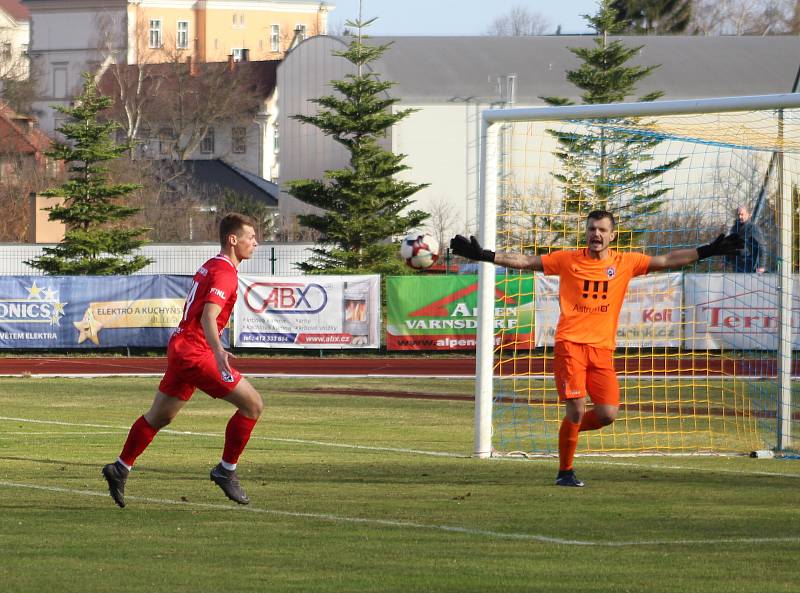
point(684, 415)
point(348, 495)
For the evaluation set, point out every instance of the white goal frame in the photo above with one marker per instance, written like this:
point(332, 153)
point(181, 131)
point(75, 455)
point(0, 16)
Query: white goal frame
point(492, 120)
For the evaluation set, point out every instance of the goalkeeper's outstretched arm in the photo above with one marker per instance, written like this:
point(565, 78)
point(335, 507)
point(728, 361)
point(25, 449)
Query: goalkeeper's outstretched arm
point(471, 249)
point(722, 245)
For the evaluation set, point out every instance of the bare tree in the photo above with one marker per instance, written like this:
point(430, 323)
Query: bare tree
point(745, 17)
point(17, 76)
point(133, 86)
point(520, 21)
point(443, 221)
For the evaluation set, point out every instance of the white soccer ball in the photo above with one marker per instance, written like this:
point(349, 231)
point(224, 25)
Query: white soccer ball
point(419, 250)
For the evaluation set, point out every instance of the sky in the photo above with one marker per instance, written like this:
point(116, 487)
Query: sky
point(456, 17)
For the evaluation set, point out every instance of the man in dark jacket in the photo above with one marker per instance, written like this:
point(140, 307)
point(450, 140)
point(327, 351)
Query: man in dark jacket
point(751, 258)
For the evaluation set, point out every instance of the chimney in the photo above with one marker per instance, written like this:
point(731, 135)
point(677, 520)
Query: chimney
point(191, 65)
point(230, 63)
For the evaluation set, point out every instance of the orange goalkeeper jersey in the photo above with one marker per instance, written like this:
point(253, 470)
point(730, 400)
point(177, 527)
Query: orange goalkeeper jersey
point(591, 292)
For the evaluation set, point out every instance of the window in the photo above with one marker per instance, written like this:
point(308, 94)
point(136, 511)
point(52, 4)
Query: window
point(207, 143)
point(275, 38)
point(237, 53)
point(300, 32)
point(182, 38)
point(166, 138)
point(241, 20)
point(239, 140)
point(143, 139)
point(276, 140)
point(59, 81)
point(5, 51)
point(155, 32)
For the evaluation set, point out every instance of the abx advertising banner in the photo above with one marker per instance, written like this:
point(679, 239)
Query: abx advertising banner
point(308, 312)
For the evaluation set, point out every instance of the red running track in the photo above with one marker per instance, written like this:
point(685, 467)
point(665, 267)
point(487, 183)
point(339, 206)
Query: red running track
point(402, 367)
point(134, 365)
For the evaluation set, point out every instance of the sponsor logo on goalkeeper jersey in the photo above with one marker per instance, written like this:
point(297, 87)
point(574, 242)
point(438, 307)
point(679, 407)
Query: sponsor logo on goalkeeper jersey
point(586, 309)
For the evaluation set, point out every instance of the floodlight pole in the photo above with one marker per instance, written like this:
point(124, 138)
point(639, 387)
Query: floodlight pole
point(484, 361)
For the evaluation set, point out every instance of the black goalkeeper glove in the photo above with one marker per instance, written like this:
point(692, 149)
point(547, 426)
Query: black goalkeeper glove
point(722, 245)
point(470, 249)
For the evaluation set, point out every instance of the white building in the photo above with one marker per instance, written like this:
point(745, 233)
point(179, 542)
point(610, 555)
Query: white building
point(14, 40)
point(449, 80)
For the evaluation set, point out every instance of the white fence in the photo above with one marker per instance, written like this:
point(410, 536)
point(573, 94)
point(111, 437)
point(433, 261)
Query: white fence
point(274, 259)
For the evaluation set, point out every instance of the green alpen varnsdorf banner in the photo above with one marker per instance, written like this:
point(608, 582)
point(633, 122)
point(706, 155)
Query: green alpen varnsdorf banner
point(427, 312)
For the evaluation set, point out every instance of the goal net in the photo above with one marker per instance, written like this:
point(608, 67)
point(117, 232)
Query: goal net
point(705, 354)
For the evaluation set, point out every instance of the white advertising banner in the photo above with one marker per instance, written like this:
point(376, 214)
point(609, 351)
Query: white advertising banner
point(650, 315)
point(737, 311)
point(308, 312)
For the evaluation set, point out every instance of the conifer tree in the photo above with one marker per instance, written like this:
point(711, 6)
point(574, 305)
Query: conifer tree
point(364, 205)
point(96, 241)
point(607, 168)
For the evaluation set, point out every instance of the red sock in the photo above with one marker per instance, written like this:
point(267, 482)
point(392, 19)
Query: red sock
point(140, 435)
point(590, 421)
point(567, 443)
point(237, 433)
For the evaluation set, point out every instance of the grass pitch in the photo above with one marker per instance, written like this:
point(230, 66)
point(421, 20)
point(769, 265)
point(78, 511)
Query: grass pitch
point(373, 494)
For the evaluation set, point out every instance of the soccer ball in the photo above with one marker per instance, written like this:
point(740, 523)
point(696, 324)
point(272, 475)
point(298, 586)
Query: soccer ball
point(419, 251)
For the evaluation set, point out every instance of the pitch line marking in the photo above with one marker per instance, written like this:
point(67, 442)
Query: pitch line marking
point(587, 461)
point(254, 437)
point(412, 524)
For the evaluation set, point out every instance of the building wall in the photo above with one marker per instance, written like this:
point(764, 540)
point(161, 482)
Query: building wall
point(304, 152)
point(217, 28)
point(448, 160)
point(222, 147)
point(68, 39)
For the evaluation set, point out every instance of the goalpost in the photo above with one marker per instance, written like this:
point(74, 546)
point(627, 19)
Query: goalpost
point(704, 354)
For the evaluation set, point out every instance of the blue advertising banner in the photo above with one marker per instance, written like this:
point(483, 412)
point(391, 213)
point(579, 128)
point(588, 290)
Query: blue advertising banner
point(90, 311)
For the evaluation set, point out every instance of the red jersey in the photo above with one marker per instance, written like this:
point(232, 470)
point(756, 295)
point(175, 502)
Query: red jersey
point(215, 281)
point(591, 292)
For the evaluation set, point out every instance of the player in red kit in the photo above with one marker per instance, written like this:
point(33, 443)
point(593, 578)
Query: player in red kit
point(197, 360)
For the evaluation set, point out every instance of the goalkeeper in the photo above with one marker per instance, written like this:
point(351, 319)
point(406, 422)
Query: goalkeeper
point(592, 287)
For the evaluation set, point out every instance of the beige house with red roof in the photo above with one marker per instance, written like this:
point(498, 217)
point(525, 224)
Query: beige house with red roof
point(25, 169)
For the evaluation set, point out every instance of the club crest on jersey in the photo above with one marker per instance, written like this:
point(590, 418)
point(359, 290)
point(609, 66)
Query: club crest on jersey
point(610, 272)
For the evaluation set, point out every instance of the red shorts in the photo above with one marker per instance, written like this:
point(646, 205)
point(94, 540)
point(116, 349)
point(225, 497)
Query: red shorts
point(189, 368)
point(582, 370)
